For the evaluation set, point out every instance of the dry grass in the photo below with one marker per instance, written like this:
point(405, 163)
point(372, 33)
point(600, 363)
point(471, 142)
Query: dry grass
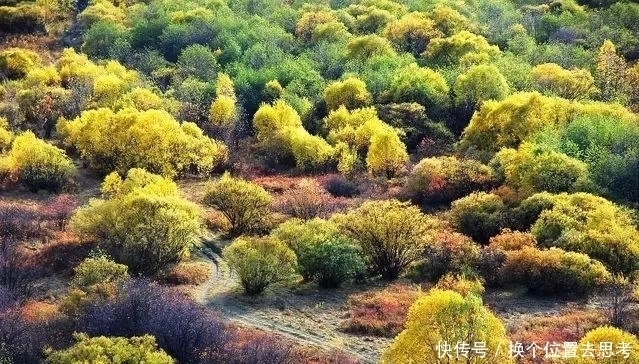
point(191, 273)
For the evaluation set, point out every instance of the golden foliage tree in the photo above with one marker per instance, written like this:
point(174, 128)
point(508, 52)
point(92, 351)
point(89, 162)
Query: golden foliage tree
point(442, 318)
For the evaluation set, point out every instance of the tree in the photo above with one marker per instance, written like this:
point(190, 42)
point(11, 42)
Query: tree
point(260, 262)
point(412, 32)
point(351, 93)
point(368, 46)
point(245, 204)
point(421, 85)
point(281, 135)
point(479, 83)
point(386, 154)
point(150, 139)
point(445, 317)
point(115, 350)
point(592, 225)
point(535, 168)
point(197, 61)
point(574, 84)
point(554, 271)
point(599, 337)
point(223, 109)
point(441, 180)
point(463, 48)
point(479, 215)
point(142, 221)
point(610, 74)
point(303, 237)
point(392, 234)
point(36, 164)
point(333, 261)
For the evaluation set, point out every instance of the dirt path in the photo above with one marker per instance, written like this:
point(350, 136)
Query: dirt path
point(311, 317)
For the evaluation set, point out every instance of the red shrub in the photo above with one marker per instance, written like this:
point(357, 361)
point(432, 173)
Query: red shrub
point(381, 313)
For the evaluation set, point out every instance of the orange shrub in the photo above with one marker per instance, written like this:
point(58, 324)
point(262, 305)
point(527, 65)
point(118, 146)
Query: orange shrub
point(192, 273)
point(508, 240)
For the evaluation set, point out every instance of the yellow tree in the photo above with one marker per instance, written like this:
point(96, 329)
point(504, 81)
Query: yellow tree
point(386, 154)
point(444, 328)
point(223, 110)
point(571, 84)
point(623, 350)
point(611, 69)
point(351, 93)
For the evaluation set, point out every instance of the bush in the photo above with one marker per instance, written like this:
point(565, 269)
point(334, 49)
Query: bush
point(449, 252)
point(441, 180)
point(303, 237)
point(461, 285)
point(554, 271)
point(599, 337)
point(192, 273)
point(509, 240)
point(351, 93)
point(591, 225)
point(245, 204)
point(333, 261)
point(341, 187)
point(528, 211)
point(392, 234)
point(59, 209)
point(306, 201)
point(143, 221)
point(533, 168)
point(115, 350)
point(260, 262)
point(98, 270)
point(379, 313)
point(479, 215)
point(150, 139)
point(37, 165)
point(430, 319)
point(24, 18)
point(16, 63)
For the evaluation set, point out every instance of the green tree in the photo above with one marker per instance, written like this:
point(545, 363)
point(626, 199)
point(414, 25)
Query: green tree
point(112, 350)
point(479, 83)
point(244, 204)
point(259, 262)
point(392, 234)
point(422, 85)
point(478, 215)
point(446, 317)
point(333, 261)
point(142, 222)
point(303, 237)
point(534, 168)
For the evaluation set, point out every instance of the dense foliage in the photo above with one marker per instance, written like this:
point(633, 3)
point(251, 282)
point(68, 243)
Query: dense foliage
point(142, 221)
